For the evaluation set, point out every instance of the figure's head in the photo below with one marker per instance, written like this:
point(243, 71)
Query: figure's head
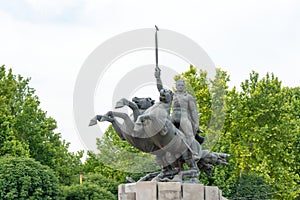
point(166, 96)
point(143, 103)
point(180, 85)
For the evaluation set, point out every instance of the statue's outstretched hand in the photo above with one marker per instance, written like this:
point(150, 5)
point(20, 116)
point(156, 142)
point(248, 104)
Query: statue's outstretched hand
point(157, 72)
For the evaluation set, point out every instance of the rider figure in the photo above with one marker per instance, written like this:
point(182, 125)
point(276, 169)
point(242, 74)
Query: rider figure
point(184, 115)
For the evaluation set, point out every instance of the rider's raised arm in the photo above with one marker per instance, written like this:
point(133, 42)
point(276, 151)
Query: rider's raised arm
point(158, 79)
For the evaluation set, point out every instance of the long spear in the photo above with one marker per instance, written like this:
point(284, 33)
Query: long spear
point(156, 48)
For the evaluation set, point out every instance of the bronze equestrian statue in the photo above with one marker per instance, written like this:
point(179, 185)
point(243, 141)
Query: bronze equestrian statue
point(153, 132)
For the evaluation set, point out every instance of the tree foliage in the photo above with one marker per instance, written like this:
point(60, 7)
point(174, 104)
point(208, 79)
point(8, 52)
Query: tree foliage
point(259, 132)
point(262, 131)
point(102, 181)
point(250, 186)
point(86, 192)
point(26, 130)
point(24, 178)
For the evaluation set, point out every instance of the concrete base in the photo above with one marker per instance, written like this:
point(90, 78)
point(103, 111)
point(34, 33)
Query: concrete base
point(168, 191)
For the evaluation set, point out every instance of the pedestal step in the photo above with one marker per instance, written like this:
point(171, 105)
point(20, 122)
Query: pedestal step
point(168, 191)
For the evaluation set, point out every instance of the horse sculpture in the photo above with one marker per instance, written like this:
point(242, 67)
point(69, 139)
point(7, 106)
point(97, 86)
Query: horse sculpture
point(152, 131)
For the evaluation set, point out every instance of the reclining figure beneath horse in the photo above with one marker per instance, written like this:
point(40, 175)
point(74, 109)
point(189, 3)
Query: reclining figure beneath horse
point(152, 131)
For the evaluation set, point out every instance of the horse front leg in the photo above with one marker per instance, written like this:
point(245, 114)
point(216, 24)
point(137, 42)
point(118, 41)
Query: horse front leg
point(128, 123)
point(119, 129)
point(124, 102)
point(100, 118)
point(116, 125)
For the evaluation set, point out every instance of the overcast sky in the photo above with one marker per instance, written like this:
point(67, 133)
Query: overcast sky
point(49, 40)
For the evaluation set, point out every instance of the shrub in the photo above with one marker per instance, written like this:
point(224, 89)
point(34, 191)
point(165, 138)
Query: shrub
point(24, 178)
point(251, 186)
point(88, 191)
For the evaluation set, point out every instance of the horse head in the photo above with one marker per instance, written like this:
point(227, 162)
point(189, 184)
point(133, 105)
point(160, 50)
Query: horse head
point(143, 103)
point(165, 96)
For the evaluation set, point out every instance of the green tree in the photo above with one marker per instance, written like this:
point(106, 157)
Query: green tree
point(87, 192)
point(102, 181)
point(251, 186)
point(9, 143)
point(294, 99)
point(24, 178)
point(25, 129)
point(261, 131)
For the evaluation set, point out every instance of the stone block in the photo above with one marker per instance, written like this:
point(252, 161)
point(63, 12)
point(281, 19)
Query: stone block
point(123, 195)
point(192, 191)
point(212, 193)
point(120, 191)
point(127, 196)
point(130, 188)
point(146, 190)
point(169, 191)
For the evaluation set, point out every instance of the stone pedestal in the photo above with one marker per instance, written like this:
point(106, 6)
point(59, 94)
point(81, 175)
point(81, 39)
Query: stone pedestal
point(168, 191)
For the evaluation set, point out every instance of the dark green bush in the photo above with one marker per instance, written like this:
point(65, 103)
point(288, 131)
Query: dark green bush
point(251, 186)
point(106, 183)
point(24, 178)
point(87, 191)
